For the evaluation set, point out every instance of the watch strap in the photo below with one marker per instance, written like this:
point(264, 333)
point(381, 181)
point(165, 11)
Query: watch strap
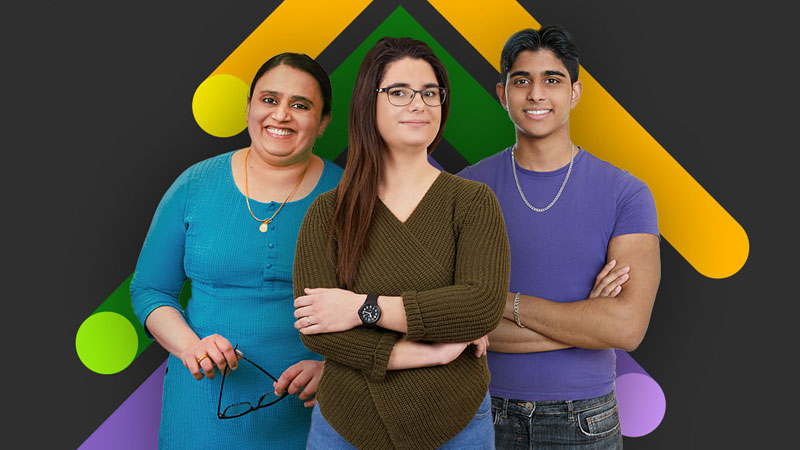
point(372, 299)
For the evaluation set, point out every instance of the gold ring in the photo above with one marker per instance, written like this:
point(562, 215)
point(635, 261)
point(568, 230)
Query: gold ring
point(202, 358)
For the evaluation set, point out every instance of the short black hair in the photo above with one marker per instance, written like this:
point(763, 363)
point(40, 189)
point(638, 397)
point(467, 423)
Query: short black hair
point(550, 37)
point(299, 61)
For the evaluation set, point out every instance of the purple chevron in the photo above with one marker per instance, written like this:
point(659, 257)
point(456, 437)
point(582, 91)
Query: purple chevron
point(641, 401)
point(434, 163)
point(134, 425)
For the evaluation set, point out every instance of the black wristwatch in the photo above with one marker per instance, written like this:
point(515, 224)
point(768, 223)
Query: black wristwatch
point(370, 312)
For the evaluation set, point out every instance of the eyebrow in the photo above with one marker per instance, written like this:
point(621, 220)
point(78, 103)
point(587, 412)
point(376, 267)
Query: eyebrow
point(292, 98)
point(554, 72)
point(426, 86)
point(525, 73)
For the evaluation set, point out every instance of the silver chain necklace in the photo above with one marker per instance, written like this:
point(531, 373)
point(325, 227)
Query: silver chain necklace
point(516, 179)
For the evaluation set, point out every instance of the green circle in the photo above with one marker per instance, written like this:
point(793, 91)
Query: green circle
point(106, 343)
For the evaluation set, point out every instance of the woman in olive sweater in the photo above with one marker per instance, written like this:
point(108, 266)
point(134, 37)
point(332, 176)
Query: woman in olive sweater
point(398, 270)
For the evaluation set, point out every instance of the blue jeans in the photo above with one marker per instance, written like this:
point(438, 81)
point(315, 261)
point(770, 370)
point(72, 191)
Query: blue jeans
point(477, 435)
point(591, 424)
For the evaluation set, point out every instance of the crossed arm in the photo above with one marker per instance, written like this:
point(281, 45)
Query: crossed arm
point(328, 319)
point(604, 321)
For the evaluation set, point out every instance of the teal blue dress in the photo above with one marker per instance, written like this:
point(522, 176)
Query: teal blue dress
point(241, 289)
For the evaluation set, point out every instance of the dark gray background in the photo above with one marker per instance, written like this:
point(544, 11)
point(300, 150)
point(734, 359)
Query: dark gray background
point(99, 123)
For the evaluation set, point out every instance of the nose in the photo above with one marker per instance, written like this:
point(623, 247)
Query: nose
point(282, 112)
point(536, 92)
point(417, 102)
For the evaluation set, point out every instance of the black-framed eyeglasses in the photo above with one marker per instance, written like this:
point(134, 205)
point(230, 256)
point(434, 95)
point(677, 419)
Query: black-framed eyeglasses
point(402, 96)
point(242, 408)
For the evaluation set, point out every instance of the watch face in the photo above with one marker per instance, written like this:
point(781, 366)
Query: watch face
point(370, 314)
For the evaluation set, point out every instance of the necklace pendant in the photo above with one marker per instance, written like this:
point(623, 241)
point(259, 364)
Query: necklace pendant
point(263, 227)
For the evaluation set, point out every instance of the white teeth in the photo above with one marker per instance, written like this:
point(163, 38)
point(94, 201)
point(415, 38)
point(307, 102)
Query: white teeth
point(279, 131)
point(537, 112)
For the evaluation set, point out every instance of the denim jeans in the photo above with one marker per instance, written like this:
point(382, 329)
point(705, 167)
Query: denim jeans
point(477, 435)
point(591, 424)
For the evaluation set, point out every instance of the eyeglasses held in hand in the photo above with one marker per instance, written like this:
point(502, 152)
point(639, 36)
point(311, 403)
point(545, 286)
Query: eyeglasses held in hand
point(402, 96)
point(242, 408)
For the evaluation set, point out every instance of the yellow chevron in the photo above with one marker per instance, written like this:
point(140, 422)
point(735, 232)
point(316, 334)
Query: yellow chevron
point(303, 26)
point(691, 220)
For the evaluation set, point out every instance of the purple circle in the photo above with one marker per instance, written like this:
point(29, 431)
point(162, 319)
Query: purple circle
point(641, 404)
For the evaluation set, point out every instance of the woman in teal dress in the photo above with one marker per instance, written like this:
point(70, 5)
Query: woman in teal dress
point(230, 224)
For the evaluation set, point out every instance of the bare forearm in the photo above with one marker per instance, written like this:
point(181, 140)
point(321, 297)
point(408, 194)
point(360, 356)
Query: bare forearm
point(170, 329)
point(602, 322)
point(592, 323)
point(393, 313)
point(411, 355)
point(510, 338)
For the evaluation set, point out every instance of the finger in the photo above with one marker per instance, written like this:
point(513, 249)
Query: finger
point(598, 287)
point(615, 284)
point(303, 311)
point(311, 386)
point(607, 290)
point(302, 323)
point(194, 368)
point(606, 269)
point(604, 286)
point(208, 368)
point(299, 383)
point(608, 279)
point(312, 329)
point(286, 377)
point(310, 403)
point(310, 291)
point(616, 291)
point(226, 349)
point(216, 356)
point(617, 273)
point(301, 301)
point(480, 349)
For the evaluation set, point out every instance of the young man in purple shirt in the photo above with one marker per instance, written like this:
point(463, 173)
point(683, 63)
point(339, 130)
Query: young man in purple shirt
point(569, 215)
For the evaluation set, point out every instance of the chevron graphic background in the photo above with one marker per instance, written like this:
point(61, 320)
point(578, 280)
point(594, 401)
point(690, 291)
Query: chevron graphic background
point(104, 121)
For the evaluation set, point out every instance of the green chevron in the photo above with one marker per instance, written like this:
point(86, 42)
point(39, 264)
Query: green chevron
point(473, 110)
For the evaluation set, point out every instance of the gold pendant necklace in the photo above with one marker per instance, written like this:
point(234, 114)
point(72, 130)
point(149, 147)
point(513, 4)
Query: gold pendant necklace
point(265, 222)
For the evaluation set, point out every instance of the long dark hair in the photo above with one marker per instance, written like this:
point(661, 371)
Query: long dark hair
point(357, 192)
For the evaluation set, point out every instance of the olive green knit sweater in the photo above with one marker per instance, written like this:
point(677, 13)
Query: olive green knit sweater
point(450, 262)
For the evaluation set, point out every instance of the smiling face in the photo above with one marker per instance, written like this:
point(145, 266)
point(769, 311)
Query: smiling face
point(538, 94)
point(415, 125)
point(284, 116)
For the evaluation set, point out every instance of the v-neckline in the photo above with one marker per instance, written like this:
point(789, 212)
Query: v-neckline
point(419, 203)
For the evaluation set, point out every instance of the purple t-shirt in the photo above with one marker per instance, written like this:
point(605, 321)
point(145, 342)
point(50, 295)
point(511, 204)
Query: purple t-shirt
point(556, 255)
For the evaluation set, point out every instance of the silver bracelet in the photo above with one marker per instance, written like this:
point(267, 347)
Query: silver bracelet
point(516, 311)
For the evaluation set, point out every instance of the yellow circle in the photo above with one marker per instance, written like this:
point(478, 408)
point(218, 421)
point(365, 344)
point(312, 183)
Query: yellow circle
point(219, 105)
point(106, 342)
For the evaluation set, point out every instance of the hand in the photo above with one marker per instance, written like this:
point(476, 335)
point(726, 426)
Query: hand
point(449, 351)
point(304, 375)
point(480, 345)
point(326, 310)
point(201, 356)
point(609, 283)
point(413, 355)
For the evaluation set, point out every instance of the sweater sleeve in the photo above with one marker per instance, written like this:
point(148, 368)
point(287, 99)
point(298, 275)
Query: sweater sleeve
point(473, 306)
point(159, 275)
point(364, 349)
